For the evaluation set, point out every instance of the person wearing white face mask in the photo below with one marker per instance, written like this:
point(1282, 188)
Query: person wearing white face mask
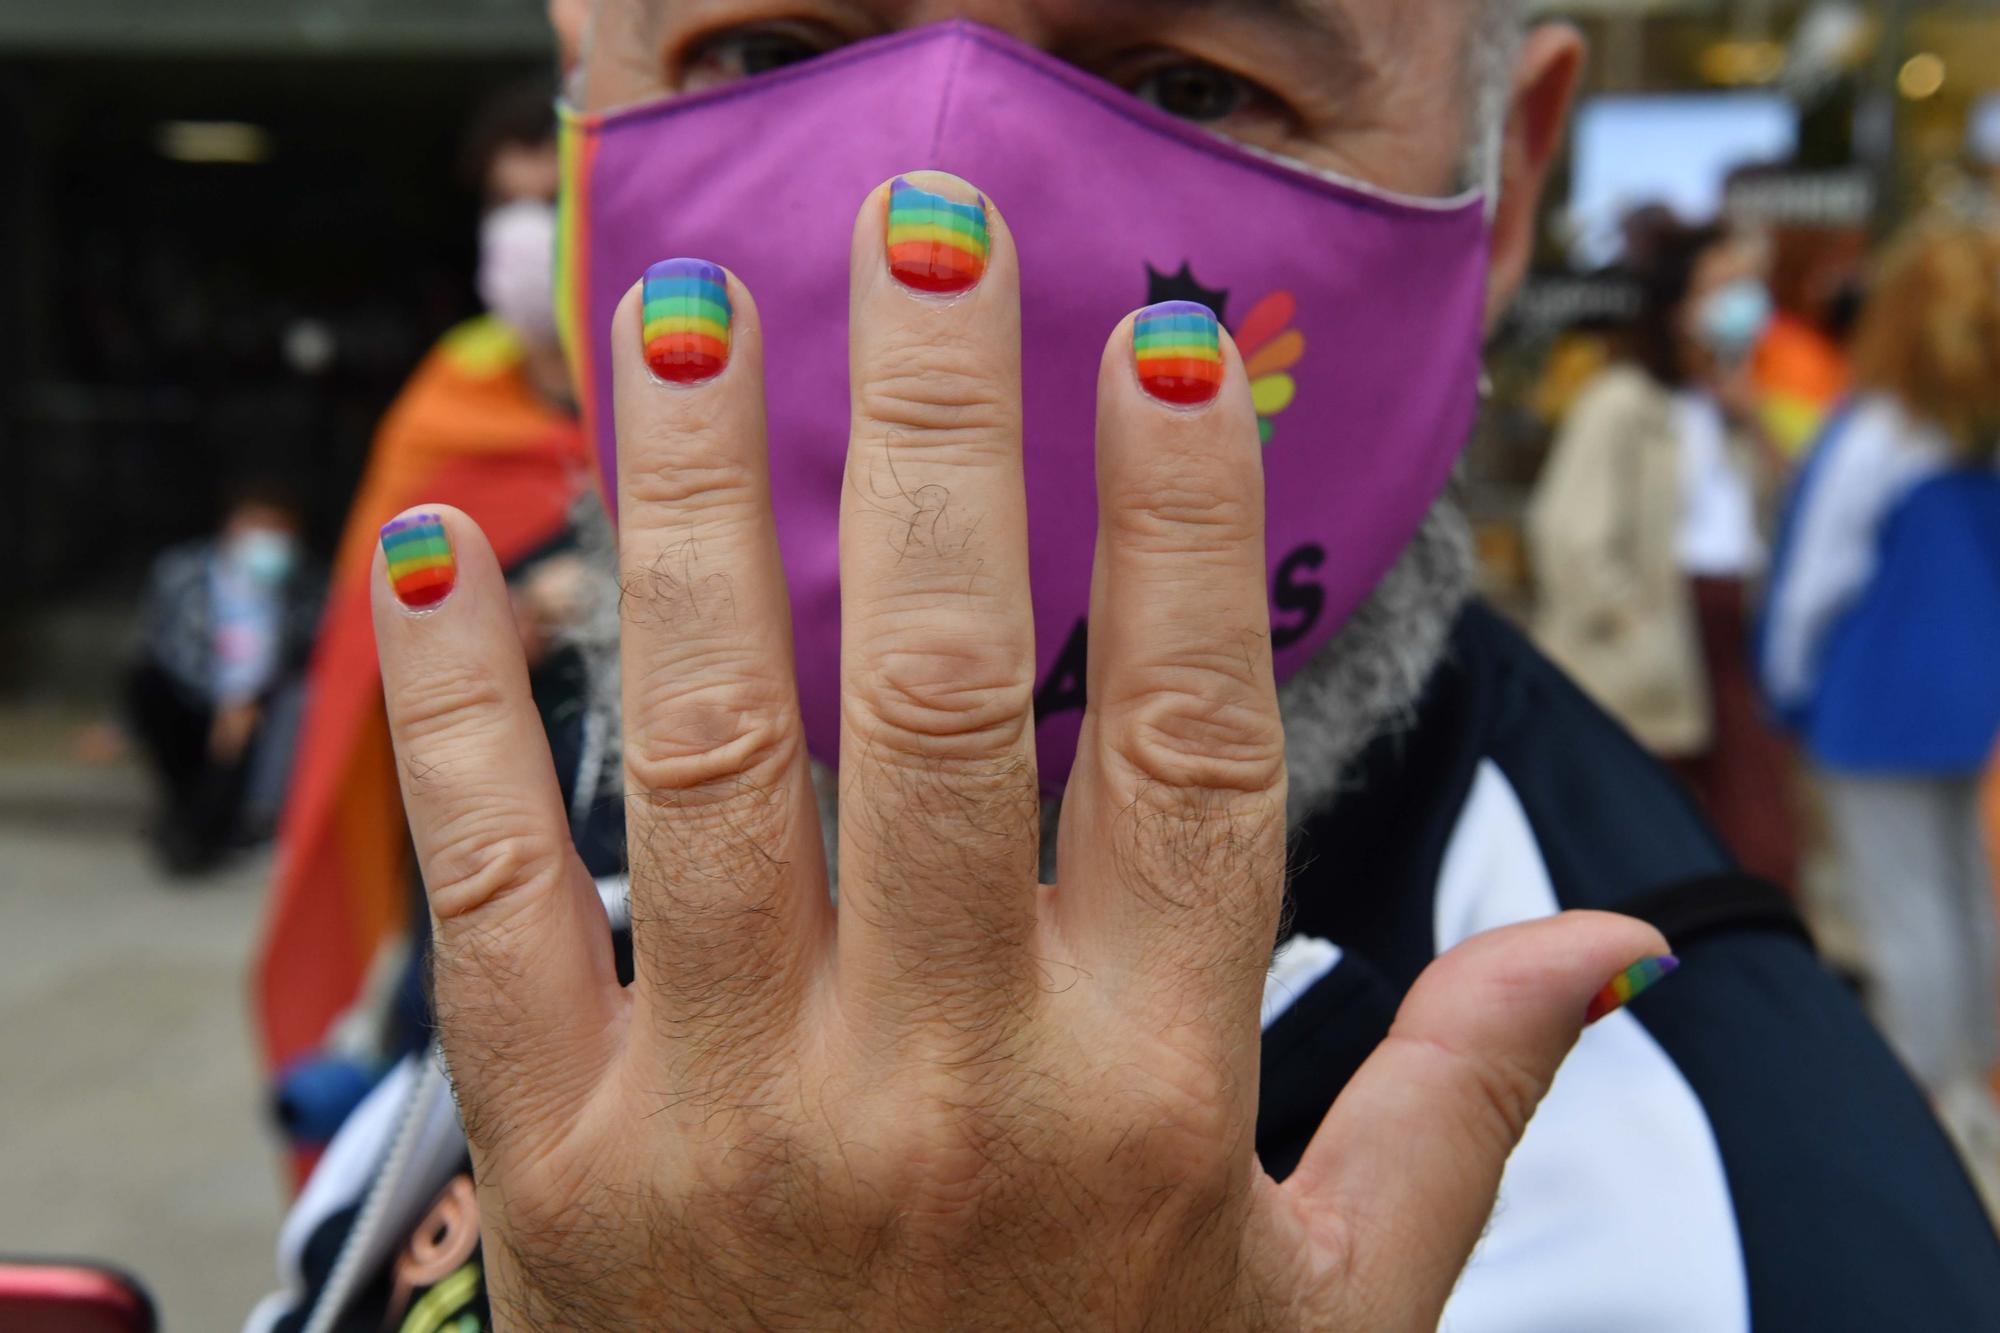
point(226, 625)
point(486, 422)
point(1645, 535)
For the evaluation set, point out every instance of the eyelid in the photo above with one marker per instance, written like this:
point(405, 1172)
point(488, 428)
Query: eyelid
point(702, 45)
point(1134, 68)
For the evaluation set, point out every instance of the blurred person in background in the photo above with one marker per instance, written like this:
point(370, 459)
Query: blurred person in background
point(226, 628)
point(1882, 633)
point(1800, 367)
point(486, 423)
point(1643, 535)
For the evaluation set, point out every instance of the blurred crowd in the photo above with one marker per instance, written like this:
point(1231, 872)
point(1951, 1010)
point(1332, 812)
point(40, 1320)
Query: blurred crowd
point(1767, 539)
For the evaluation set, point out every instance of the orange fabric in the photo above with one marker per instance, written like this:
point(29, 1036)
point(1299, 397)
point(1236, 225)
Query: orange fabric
point(466, 431)
point(1800, 373)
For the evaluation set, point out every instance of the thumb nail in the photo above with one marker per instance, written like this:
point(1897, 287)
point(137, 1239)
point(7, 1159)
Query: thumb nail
point(1621, 989)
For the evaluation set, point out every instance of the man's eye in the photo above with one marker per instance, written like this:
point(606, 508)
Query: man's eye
point(743, 52)
point(1195, 90)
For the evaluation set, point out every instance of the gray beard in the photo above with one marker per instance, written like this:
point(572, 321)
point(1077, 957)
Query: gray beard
point(1364, 684)
point(1367, 681)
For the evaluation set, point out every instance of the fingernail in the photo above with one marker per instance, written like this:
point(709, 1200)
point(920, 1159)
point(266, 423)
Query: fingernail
point(1178, 350)
point(684, 322)
point(422, 570)
point(937, 244)
point(1621, 989)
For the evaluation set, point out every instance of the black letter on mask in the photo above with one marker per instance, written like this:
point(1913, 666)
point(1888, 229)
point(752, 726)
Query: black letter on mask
point(1063, 690)
point(1291, 593)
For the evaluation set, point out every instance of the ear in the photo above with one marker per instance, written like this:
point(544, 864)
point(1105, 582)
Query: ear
point(569, 18)
point(1545, 78)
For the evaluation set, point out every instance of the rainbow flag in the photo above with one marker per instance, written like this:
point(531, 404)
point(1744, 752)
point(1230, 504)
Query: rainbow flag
point(466, 431)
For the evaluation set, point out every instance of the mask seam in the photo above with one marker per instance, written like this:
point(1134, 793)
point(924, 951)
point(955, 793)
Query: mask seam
point(1226, 150)
point(1374, 198)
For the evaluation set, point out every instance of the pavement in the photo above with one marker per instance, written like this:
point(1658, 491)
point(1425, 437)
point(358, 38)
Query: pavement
point(130, 1128)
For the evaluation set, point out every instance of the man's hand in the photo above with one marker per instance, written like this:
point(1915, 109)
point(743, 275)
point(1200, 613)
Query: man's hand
point(958, 1098)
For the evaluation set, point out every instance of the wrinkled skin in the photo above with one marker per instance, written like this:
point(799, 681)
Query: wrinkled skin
point(956, 1098)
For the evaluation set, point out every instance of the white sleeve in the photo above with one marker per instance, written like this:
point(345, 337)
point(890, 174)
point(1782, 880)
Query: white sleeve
point(1614, 1212)
point(1874, 463)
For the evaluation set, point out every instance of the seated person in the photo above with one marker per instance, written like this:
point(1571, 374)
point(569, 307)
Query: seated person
point(226, 628)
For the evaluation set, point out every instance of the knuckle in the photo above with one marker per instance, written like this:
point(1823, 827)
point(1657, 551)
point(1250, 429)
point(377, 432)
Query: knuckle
point(943, 386)
point(937, 701)
point(444, 715)
point(1181, 504)
point(1207, 732)
point(711, 739)
point(670, 490)
point(484, 855)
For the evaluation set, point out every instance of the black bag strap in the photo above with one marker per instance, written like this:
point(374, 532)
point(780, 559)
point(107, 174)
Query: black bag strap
point(1718, 904)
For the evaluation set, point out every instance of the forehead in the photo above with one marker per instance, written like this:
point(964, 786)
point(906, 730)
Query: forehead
point(1377, 26)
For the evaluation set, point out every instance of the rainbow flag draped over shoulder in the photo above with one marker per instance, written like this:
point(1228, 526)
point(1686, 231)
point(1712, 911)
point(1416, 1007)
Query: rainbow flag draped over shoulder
point(1800, 374)
point(466, 431)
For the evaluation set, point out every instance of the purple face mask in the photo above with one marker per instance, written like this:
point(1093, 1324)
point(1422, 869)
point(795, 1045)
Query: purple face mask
point(1359, 315)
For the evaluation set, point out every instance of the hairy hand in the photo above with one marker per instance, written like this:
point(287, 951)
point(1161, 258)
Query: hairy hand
point(958, 1098)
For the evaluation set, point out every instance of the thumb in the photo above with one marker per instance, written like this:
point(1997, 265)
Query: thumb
point(1402, 1175)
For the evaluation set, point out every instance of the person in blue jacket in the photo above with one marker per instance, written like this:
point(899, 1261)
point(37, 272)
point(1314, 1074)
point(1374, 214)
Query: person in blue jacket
point(1882, 633)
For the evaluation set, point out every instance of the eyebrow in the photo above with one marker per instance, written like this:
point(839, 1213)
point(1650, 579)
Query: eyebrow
point(1305, 13)
point(1324, 22)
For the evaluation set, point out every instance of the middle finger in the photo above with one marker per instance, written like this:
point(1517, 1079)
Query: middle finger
point(939, 807)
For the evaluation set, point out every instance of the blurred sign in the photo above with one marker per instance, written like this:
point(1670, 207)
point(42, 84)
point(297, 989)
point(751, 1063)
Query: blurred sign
point(1783, 198)
point(1550, 303)
point(484, 27)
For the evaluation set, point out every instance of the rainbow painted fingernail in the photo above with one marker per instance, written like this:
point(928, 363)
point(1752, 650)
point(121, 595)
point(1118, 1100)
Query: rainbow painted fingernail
point(1621, 989)
point(685, 323)
point(936, 244)
point(1178, 349)
point(422, 570)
